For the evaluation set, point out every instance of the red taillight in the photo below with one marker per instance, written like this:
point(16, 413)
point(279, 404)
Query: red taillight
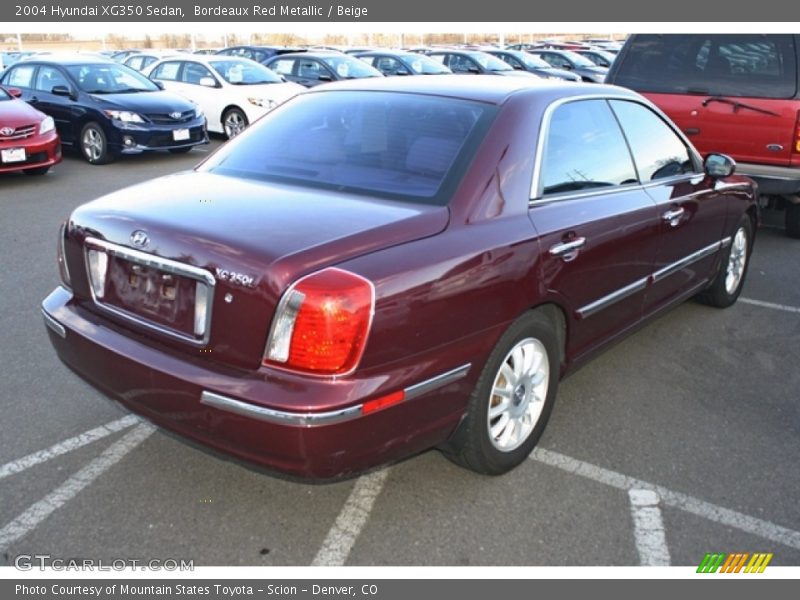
point(322, 323)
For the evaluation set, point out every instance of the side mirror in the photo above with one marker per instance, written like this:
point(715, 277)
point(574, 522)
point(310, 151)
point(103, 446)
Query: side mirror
point(14, 92)
point(324, 77)
point(208, 82)
point(719, 165)
point(61, 90)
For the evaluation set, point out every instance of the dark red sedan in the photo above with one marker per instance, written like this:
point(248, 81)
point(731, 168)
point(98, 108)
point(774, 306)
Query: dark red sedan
point(383, 266)
point(28, 138)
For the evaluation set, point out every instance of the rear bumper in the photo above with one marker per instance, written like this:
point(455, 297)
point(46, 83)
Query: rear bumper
point(41, 151)
point(771, 179)
point(229, 410)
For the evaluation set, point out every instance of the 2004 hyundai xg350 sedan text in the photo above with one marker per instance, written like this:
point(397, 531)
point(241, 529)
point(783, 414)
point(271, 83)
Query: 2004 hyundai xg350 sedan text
point(380, 267)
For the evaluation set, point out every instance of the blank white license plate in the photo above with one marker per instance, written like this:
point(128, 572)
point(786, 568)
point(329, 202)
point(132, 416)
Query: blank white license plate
point(180, 134)
point(13, 155)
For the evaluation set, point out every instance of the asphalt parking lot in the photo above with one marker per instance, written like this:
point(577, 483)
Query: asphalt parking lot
point(701, 408)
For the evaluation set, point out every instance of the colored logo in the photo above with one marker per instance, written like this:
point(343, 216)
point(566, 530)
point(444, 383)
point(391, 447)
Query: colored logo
point(735, 563)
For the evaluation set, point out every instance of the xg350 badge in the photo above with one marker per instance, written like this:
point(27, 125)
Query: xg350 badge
point(235, 278)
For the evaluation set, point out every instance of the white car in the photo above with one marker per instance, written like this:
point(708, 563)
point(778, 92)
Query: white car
point(232, 92)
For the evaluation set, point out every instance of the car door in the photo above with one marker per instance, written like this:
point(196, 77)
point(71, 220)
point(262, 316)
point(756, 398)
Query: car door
point(212, 100)
point(63, 108)
point(598, 228)
point(311, 72)
point(691, 212)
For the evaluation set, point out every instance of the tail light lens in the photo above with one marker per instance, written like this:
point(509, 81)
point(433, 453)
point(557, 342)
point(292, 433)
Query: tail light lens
point(322, 323)
point(63, 269)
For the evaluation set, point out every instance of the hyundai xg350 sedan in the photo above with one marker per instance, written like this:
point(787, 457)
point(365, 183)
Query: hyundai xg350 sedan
point(28, 138)
point(105, 109)
point(379, 267)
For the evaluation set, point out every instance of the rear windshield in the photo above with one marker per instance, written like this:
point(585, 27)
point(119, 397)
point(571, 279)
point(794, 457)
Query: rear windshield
point(762, 66)
point(399, 146)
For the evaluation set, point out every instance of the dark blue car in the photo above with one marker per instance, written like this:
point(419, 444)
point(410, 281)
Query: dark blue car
point(106, 109)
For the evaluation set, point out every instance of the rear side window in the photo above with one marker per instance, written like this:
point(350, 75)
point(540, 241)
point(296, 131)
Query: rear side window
point(744, 65)
point(585, 150)
point(20, 77)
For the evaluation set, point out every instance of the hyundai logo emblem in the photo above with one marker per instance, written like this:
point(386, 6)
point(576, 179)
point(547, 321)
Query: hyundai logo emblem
point(6, 131)
point(139, 238)
point(175, 115)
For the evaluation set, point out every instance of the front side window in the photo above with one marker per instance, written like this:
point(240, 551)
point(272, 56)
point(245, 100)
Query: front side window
point(584, 150)
point(392, 145)
point(194, 72)
point(657, 150)
point(49, 77)
point(282, 66)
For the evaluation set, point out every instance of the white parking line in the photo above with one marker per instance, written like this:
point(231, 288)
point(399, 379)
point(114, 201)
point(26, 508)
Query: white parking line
point(690, 504)
point(351, 520)
point(38, 512)
point(784, 307)
point(69, 445)
point(648, 528)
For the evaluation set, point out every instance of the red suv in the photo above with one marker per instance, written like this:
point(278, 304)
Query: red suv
point(735, 93)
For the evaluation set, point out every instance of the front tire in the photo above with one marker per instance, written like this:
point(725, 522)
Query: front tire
point(512, 400)
point(94, 145)
point(728, 283)
point(234, 122)
point(793, 220)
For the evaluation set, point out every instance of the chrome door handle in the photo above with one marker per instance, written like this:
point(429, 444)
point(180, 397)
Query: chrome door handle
point(564, 247)
point(672, 216)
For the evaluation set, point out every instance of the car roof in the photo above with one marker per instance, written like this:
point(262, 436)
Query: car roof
point(70, 59)
point(489, 89)
point(311, 54)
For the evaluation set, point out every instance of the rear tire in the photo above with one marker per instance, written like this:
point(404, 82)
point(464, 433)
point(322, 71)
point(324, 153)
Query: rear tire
point(728, 283)
point(512, 400)
point(793, 220)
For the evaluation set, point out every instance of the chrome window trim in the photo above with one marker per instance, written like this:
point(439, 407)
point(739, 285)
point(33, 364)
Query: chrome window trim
point(313, 419)
point(536, 195)
point(57, 327)
point(163, 264)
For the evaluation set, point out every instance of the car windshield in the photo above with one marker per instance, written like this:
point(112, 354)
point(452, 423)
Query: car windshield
point(489, 62)
point(4, 95)
point(578, 60)
point(399, 146)
point(348, 67)
point(110, 78)
point(534, 62)
point(424, 65)
point(237, 71)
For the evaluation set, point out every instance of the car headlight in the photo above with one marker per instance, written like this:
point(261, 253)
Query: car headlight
point(263, 102)
point(198, 113)
point(124, 116)
point(46, 125)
